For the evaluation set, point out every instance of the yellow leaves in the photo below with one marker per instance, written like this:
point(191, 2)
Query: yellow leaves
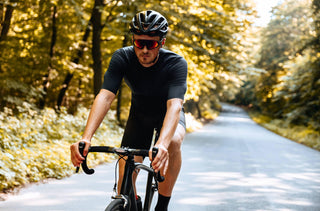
point(174, 20)
point(192, 123)
point(35, 146)
point(298, 133)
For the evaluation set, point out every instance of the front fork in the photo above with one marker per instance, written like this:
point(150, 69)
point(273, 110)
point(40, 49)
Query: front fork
point(150, 189)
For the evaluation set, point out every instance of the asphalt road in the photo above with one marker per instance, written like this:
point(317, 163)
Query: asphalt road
point(230, 164)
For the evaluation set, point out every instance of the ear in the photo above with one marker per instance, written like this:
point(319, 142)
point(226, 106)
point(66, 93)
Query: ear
point(163, 41)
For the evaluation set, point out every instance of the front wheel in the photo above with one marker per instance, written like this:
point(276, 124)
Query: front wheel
point(117, 205)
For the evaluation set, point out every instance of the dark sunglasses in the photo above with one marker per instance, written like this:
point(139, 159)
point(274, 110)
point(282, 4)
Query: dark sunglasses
point(151, 44)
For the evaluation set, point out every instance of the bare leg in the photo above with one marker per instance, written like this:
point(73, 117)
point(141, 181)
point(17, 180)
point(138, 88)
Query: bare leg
point(122, 164)
point(166, 187)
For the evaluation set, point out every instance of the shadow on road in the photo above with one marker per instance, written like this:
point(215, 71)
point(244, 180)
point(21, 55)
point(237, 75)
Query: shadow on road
point(231, 164)
point(234, 164)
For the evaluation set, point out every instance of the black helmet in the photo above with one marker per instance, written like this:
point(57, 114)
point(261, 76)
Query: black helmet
point(149, 23)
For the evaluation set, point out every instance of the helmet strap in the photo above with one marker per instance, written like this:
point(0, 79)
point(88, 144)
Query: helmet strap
point(155, 59)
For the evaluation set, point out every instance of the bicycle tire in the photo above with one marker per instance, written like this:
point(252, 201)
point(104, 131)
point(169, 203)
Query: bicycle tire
point(117, 205)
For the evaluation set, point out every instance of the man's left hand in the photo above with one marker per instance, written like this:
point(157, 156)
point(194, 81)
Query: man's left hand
point(161, 161)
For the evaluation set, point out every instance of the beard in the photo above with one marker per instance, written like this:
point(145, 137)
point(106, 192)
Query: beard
point(147, 59)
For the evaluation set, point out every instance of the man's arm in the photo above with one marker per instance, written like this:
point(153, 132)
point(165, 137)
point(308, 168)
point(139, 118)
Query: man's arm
point(168, 129)
point(99, 109)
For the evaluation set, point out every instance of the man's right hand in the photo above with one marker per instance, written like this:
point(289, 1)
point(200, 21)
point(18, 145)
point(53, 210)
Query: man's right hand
point(76, 157)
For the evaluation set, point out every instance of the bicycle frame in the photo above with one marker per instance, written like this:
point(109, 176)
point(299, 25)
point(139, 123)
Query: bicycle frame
point(127, 184)
point(127, 191)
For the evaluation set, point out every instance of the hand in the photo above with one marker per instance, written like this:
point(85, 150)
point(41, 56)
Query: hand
point(161, 161)
point(76, 157)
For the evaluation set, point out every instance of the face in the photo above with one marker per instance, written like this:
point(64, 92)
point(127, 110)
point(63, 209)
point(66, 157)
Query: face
point(147, 57)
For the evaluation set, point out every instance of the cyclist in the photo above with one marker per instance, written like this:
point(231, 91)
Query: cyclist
point(157, 79)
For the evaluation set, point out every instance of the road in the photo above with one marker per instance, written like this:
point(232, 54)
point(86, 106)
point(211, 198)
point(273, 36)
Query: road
point(230, 164)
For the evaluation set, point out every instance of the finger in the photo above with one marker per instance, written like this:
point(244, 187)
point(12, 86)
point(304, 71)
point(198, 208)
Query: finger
point(76, 157)
point(86, 148)
point(161, 163)
point(157, 161)
point(150, 155)
point(72, 155)
point(162, 151)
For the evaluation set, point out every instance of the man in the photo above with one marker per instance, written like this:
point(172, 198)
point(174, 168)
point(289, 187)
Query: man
point(157, 79)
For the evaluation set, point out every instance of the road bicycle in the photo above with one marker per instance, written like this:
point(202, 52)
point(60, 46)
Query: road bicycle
point(126, 199)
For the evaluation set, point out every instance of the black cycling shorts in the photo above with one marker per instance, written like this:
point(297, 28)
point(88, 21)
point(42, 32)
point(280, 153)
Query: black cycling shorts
point(140, 128)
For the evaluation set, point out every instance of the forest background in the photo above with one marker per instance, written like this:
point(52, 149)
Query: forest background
point(53, 55)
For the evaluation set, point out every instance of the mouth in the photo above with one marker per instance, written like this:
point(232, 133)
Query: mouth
point(145, 55)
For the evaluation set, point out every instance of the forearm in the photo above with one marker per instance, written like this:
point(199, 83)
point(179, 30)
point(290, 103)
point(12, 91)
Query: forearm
point(99, 109)
point(170, 122)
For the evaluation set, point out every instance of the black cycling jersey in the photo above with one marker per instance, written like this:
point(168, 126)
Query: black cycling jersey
point(152, 86)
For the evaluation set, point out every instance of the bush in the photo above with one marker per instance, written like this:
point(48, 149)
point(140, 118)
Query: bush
point(299, 133)
point(36, 145)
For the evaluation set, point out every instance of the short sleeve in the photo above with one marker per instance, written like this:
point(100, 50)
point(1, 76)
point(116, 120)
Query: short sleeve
point(114, 74)
point(178, 79)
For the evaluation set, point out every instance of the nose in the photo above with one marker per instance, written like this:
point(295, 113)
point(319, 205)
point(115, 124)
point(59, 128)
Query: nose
point(145, 49)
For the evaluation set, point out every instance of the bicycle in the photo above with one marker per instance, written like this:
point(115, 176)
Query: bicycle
point(126, 200)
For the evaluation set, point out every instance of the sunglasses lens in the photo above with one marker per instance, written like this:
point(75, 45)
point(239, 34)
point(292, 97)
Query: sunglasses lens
point(151, 44)
point(138, 44)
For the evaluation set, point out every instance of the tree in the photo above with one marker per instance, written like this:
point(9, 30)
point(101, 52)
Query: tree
point(57, 35)
point(289, 88)
point(46, 80)
point(5, 20)
point(286, 33)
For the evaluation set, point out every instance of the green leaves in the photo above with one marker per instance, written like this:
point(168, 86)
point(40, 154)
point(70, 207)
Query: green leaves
point(288, 90)
point(35, 145)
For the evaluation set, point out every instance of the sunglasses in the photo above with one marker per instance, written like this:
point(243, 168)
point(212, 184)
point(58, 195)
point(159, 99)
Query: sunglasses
point(151, 44)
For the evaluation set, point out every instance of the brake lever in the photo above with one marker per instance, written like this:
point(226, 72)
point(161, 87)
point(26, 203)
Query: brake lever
point(154, 154)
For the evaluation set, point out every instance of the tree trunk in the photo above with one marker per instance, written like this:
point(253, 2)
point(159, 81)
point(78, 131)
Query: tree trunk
point(198, 109)
point(46, 82)
point(6, 21)
point(119, 97)
point(124, 44)
point(96, 45)
point(76, 60)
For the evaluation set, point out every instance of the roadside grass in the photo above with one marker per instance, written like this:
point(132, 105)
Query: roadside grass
point(35, 145)
point(298, 133)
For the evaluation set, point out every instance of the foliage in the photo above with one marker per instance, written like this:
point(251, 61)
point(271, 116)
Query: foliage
point(35, 145)
point(208, 35)
point(192, 123)
point(301, 134)
point(288, 86)
point(281, 79)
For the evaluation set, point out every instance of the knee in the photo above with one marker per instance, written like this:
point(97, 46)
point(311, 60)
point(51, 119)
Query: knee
point(175, 146)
